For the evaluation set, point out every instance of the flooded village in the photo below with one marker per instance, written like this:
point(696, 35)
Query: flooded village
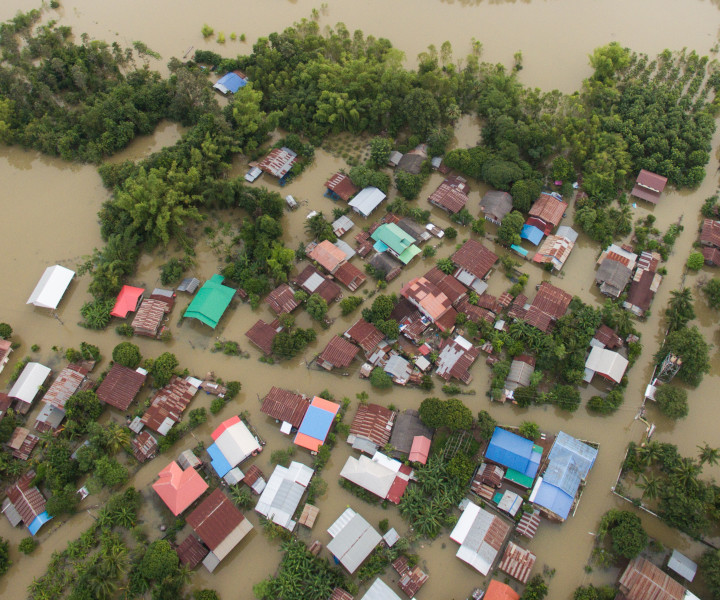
point(322, 442)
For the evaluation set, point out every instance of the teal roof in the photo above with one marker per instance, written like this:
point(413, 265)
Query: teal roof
point(393, 237)
point(410, 253)
point(210, 302)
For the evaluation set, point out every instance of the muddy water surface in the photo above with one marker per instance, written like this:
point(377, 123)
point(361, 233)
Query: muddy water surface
point(52, 208)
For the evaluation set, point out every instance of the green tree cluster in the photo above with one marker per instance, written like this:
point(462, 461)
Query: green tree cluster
point(450, 413)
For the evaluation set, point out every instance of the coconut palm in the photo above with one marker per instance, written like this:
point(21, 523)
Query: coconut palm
point(649, 453)
point(685, 473)
point(650, 486)
point(708, 455)
point(680, 308)
point(116, 437)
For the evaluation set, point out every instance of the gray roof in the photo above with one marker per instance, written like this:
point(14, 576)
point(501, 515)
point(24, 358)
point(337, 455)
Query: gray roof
point(380, 590)
point(355, 540)
point(189, 284)
point(496, 204)
point(569, 462)
point(407, 426)
point(346, 248)
point(613, 275)
point(419, 232)
point(412, 163)
point(384, 262)
point(398, 367)
point(519, 376)
point(367, 200)
point(682, 565)
point(567, 232)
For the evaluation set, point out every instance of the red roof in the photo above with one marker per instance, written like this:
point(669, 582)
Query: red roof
point(327, 255)
point(22, 443)
point(365, 335)
point(314, 282)
point(711, 256)
point(341, 594)
point(149, 317)
point(447, 321)
point(420, 449)
point(127, 301)
point(549, 209)
point(342, 185)
point(538, 319)
point(500, 591)
point(262, 334)
point(285, 405)
point(144, 446)
point(475, 313)
point(65, 385)
point(447, 284)
point(27, 501)
point(178, 489)
point(552, 300)
point(475, 258)
point(489, 302)
point(214, 519)
point(608, 337)
point(191, 552)
point(649, 186)
point(373, 422)
point(350, 276)
point(412, 580)
point(279, 162)
point(120, 386)
point(397, 489)
point(642, 580)
point(451, 195)
point(338, 353)
point(710, 234)
point(282, 299)
point(528, 524)
point(224, 426)
point(517, 562)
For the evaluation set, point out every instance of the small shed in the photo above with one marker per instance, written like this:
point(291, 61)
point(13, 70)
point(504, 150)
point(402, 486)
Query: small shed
point(144, 446)
point(51, 288)
point(191, 552)
point(532, 234)
point(128, 300)
point(189, 285)
point(339, 353)
point(263, 334)
point(231, 82)
point(517, 562)
point(682, 565)
point(420, 449)
point(309, 515)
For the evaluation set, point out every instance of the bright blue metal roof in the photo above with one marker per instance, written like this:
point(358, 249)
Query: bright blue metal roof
point(569, 462)
point(554, 499)
point(380, 246)
point(532, 234)
point(38, 522)
point(316, 423)
point(232, 81)
point(219, 463)
point(519, 249)
point(513, 451)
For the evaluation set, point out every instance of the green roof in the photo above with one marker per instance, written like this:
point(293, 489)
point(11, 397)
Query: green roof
point(210, 301)
point(519, 478)
point(393, 237)
point(410, 253)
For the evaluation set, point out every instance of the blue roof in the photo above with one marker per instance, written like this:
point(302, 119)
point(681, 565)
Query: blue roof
point(219, 463)
point(232, 81)
point(519, 249)
point(554, 499)
point(532, 234)
point(316, 423)
point(38, 522)
point(380, 246)
point(513, 451)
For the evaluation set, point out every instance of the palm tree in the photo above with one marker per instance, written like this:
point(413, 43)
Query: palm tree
point(680, 308)
point(708, 455)
point(650, 486)
point(649, 453)
point(116, 437)
point(685, 473)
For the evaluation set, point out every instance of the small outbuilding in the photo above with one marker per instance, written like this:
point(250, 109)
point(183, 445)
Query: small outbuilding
point(371, 427)
point(649, 186)
point(51, 288)
point(128, 300)
point(231, 82)
point(25, 504)
point(353, 540)
point(338, 354)
point(279, 162)
point(610, 365)
point(495, 205)
point(27, 386)
point(367, 201)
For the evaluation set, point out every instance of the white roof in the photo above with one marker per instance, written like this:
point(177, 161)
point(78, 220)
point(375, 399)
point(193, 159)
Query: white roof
point(283, 493)
point(231, 540)
point(28, 384)
point(286, 428)
point(387, 462)
point(234, 476)
point(237, 443)
point(346, 248)
point(354, 540)
point(380, 590)
point(367, 200)
point(510, 502)
point(391, 537)
point(51, 287)
point(470, 531)
point(567, 232)
point(607, 362)
point(314, 282)
point(682, 565)
point(369, 474)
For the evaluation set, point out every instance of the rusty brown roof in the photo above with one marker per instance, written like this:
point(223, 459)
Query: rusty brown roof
point(475, 258)
point(365, 335)
point(144, 446)
point(285, 405)
point(120, 386)
point(282, 299)
point(262, 334)
point(549, 209)
point(191, 552)
point(538, 319)
point(642, 580)
point(607, 336)
point(254, 473)
point(22, 443)
point(451, 195)
point(214, 519)
point(338, 352)
point(710, 234)
point(350, 276)
point(314, 282)
point(342, 185)
point(475, 313)
point(169, 402)
point(517, 562)
point(412, 580)
point(149, 317)
point(373, 422)
point(447, 284)
point(65, 385)
point(552, 300)
point(341, 594)
point(488, 474)
point(28, 501)
point(278, 162)
point(711, 255)
point(649, 186)
point(640, 293)
point(456, 358)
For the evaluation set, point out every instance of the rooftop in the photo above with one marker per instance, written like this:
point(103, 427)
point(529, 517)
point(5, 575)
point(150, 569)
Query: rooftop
point(127, 301)
point(649, 186)
point(338, 353)
point(642, 580)
point(342, 186)
point(120, 386)
point(215, 519)
point(481, 536)
point(447, 284)
point(407, 427)
point(427, 297)
point(365, 335)
point(367, 201)
point(65, 385)
point(327, 255)
point(456, 358)
point(210, 302)
point(279, 162)
point(353, 540)
point(191, 552)
point(549, 209)
point(373, 422)
point(517, 562)
point(282, 299)
point(496, 205)
point(316, 424)
point(51, 288)
point(285, 405)
point(475, 258)
point(263, 334)
point(178, 489)
point(283, 493)
point(451, 195)
point(314, 282)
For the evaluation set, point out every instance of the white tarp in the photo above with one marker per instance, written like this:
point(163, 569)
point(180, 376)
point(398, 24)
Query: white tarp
point(608, 363)
point(51, 287)
point(28, 384)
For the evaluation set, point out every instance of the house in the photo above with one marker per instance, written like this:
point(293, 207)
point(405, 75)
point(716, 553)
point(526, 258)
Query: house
point(682, 565)
point(519, 455)
point(191, 552)
point(371, 428)
point(394, 159)
point(386, 264)
point(27, 386)
point(210, 302)
point(5, 351)
point(517, 562)
point(408, 426)
point(255, 479)
point(341, 187)
point(474, 262)
point(283, 492)
point(285, 406)
point(398, 368)
point(316, 424)
point(282, 299)
point(411, 580)
point(612, 277)
point(481, 535)
point(521, 370)
point(353, 540)
point(367, 201)
point(120, 386)
point(489, 475)
point(263, 334)
point(431, 302)
point(554, 251)
point(456, 358)
point(389, 237)
point(189, 285)
point(150, 316)
point(279, 162)
point(710, 233)
point(169, 403)
point(178, 489)
point(569, 463)
point(380, 590)
point(342, 225)
point(220, 525)
point(327, 255)
point(711, 256)
point(495, 205)
point(448, 285)
point(451, 195)
point(231, 82)
point(642, 291)
point(22, 443)
point(128, 300)
point(385, 477)
point(532, 233)
point(420, 449)
point(610, 365)
point(622, 254)
point(350, 276)
point(642, 580)
point(412, 161)
point(233, 444)
point(549, 210)
point(550, 303)
point(338, 354)
point(67, 383)
point(528, 524)
point(649, 186)
point(416, 230)
point(365, 335)
point(607, 337)
point(25, 504)
point(312, 281)
point(500, 591)
point(144, 446)
point(51, 288)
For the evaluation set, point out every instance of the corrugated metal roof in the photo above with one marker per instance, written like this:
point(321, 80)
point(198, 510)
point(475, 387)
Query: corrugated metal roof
point(350, 276)
point(279, 162)
point(144, 446)
point(549, 209)
point(342, 185)
point(480, 535)
point(456, 358)
point(682, 565)
point(149, 317)
point(475, 258)
point(27, 501)
point(65, 385)
point(451, 195)
point(342, 225)
point(338, 353)
point(283, 493)
point(447, 284)
point(191, 552)
point(28, 384)
point(379, 590)
point(354, 542)
point(367, 201)
point(608, 363)
point(500, 591)
point(52, 285)
point(373, 422)
point(210, 302)
point(327, 255)
point(127, 301)
point(517, 562)
point(285, 405)
point(365, 335)
point(512, 451)
point(214, 519)
point(642, 580)
point(408, 426)
point(263, 334)
point(552, 300)
point(168, 404)
point(120, 386)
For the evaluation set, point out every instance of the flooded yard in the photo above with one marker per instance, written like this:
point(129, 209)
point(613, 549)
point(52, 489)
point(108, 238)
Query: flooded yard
point(51, 217)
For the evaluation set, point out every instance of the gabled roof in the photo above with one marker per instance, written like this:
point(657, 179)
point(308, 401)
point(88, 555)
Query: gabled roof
point(316, 424)
point(28, 384)
point(407, 427)
point(607, 336)
point(520, 373)
point(353, 540)
point(532, 234)
point(282, 299)
point(710, 233)
point(517, 562)
point(447, 284)
point(327, 255)
point(342, 185)
point(641, 290)
point(314, 282)
point(338, 353)
point(263, 334)
point(52, 285)
point(682, 565)
point(552, 300)
point(65, 385)
point(283, 493)
point(27, 502)
point(285, 405)
point(380, 590)
point(549, 209)
point(711, 256)
point(427, 297)
point(191, 551)
point(649, 186)
point(230, 83)
point(606, 362)
point(178, 489)
point(367, 200)
point(342, 225)
point(365, 335)
point(451, 195)
point(612, 276)
point(120, 386)
point(149, 317)
point(379, 475)
point(169, 403)
point(127, 301)
point(475, 258)
point(496, 205)
point(22, 443)
point(642, 580)
point(216, 520)
point(500, 591)
point(480, 535)
point(235, 442)
point(513, 451)
point(144, 446)
point(456, 358)
point(420, 449)
point(279, 162)
point(373, 422)
point(555, 249)
point(393, 237)
point(210, 302)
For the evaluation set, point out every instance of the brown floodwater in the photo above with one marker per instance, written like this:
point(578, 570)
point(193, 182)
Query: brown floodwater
point(52, 207)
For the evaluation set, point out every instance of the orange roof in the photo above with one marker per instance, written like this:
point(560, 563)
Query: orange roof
point(327, 255)
point(427, 296)
point(305, 441)
point(500, 591)
point(332, 407)
point(420, 449)
point(178, 489)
